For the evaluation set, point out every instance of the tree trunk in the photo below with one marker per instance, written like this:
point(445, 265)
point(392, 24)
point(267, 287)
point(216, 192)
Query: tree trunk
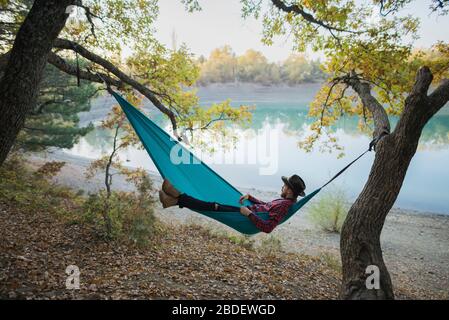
point(20, 82)
point(360, 236)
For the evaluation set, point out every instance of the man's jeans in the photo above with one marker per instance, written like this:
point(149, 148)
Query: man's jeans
point(187, 201)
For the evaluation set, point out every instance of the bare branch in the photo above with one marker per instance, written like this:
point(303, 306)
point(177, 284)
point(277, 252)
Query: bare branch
point(363, 89)
point(386, 7)
point(90, 16)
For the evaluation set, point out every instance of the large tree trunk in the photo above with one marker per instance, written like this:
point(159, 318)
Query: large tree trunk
point(360, 237)
point(20, 82)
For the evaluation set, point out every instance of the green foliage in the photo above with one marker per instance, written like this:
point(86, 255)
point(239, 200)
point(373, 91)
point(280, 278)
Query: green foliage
point(297, 69)
point(242, 240)
point(330, 210)
point(331, 261)
point(122, 215)
point(220, 67)
point(130, 214)
point(54, 121)
point(30, 191)
point(223, 66)
point(169, 74)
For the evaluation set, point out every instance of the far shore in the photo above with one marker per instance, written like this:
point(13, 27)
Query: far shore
point(415, 244)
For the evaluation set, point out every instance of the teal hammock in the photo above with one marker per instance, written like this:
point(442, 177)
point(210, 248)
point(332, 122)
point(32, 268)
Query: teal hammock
point(195, 177)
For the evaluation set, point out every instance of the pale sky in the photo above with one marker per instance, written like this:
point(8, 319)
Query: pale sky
point(220, 23)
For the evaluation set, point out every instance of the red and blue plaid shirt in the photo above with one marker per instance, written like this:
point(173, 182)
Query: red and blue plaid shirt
point(277, 209)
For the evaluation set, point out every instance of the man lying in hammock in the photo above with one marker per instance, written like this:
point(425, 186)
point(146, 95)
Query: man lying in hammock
point(277, 209)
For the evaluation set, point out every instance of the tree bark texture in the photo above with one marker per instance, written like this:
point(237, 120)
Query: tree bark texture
point(23, 73)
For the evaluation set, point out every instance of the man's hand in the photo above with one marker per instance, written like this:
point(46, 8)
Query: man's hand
point(245, 211)
point(243, 198)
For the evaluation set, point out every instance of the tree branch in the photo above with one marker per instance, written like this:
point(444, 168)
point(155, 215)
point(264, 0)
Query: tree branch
point(424, 78)
point(151, 95)
point(123, 79)
point(90, 16)
point(420, 107)
point(416, 110)
point(66, 67)
point(363, 89)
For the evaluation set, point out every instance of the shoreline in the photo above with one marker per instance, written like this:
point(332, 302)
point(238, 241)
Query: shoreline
point(83, 162)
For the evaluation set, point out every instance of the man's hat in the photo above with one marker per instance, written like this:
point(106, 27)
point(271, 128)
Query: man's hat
point(296, 184)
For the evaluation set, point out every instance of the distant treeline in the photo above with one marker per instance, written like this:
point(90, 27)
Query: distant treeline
point(224, 66)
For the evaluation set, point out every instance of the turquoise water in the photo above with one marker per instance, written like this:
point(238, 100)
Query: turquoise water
point(269, 148)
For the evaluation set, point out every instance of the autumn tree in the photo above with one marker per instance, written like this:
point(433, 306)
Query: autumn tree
point(298, 69)
point(252, 66)
point(220, 67)
point(110, 165)
point(100, 32)
point(373, 73)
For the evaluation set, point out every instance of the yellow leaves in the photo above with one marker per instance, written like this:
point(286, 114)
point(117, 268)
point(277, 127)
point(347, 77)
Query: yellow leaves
point(4, 3)
point(436, 58)
point(50, 169)
point(95, 166)
point(221, 65)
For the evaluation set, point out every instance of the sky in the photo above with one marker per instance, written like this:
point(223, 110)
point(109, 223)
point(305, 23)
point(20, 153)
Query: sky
point(220, 23)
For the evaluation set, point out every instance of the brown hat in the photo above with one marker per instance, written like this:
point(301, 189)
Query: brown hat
point(296, 184)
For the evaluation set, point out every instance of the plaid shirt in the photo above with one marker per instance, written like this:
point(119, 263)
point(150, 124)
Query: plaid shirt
point(277, 209)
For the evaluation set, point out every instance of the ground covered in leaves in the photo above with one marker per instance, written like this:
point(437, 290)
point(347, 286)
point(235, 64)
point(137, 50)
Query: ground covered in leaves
point(184, 262)
point(42, 232)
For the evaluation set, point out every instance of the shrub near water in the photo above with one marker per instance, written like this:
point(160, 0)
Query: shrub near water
point(330, 211)
point(130, 214)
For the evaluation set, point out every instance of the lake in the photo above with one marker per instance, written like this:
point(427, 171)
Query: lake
point(269, 148)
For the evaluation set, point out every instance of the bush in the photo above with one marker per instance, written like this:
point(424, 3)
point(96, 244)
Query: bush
point(30, 191)
point(123, 215)
point(242, 240)
point(331, 261)
point(50, 169)
point(330, 211)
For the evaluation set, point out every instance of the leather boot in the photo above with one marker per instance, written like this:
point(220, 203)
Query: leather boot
point(167, 200)
point(169, 189)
